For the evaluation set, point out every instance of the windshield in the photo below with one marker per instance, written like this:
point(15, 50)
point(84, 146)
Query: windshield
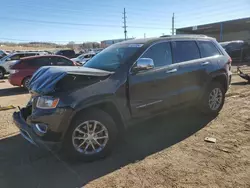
point(6, 57)
point(112, 57)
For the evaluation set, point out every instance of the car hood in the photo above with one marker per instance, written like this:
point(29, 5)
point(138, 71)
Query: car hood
point(45, 79)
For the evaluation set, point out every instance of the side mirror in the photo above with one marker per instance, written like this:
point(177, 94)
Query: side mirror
point(143, 64)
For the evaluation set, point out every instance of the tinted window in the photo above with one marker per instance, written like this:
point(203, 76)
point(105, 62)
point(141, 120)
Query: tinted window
point(160, 53)
point(38, 62)
point(15, 57)
point(208, 49)
point(185, 51)
point(29, 54)
point(62, 61)
point(234, 46)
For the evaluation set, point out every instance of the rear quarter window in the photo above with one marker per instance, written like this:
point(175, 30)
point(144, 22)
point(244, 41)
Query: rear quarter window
point(208, 49)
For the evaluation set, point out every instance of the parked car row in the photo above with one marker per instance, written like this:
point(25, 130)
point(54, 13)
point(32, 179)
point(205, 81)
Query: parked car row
point(10, 59)
point(22, 70)
point(82, 110)
point(7, 60)
point(82, 59)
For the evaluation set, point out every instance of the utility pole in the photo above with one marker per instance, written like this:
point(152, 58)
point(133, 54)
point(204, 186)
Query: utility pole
point(173, 24)
point(125, 24)
point(144, 35)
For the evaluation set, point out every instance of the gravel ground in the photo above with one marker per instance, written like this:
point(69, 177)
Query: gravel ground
point(167, 151)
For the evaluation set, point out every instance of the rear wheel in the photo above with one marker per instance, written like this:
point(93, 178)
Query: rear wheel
point(2, 72)
point(26, 82)
point(91, 137)
point(213, 99)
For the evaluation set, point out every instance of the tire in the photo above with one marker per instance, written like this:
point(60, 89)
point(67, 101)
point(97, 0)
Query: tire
point(26, 82)
point(208, 106)
point(2, 73)
point(69, 148)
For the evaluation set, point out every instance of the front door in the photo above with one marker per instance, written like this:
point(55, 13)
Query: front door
point(154, 90)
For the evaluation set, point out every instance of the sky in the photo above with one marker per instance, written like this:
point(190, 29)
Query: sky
point(81, 20)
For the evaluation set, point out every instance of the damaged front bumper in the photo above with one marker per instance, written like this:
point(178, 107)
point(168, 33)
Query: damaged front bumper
point(30, 133)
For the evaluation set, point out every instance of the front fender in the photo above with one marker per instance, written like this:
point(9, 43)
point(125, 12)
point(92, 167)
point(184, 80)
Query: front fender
point(92, 101)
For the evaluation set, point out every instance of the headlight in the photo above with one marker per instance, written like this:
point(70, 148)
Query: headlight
point(47, 102)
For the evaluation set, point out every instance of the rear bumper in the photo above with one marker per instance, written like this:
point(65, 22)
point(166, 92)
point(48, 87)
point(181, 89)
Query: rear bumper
point(29, 134)
point(15, 80)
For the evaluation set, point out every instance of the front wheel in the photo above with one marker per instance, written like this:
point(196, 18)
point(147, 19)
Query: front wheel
point(91, 136)
point(213, 99)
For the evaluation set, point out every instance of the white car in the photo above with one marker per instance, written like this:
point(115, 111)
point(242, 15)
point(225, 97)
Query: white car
point(82, 59)
point(10, 59)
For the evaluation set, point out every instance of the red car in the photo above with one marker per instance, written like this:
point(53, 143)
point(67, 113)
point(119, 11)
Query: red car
point(23, 69)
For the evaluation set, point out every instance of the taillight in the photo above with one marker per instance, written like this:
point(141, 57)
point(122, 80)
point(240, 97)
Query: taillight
point(230, 60)
point(13, 71)
point(230, 63)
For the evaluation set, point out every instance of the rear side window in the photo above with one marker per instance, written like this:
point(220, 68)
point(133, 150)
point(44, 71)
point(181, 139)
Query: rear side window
point(62, 61)
point(29, 54)
point(185, 51)
point(234, 46)
point(160, 53)
point(208, 49)
point(38, 62)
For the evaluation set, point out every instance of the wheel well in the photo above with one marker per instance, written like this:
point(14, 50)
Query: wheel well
point(222, 80)
point(109, 108)
point(25, 78)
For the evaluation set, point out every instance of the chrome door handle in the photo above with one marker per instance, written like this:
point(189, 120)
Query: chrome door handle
point(171, 71)
point(205, 63)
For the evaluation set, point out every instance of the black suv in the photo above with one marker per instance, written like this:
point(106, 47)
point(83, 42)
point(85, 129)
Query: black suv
point(66, 53)
point(83, 109)
point(239, 50)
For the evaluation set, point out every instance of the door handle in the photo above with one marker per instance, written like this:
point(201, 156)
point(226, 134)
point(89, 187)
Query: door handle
point(171, 71)
point(205, 63)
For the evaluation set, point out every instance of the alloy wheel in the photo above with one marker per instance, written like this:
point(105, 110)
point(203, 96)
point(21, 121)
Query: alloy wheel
point(26, 83)
point(90, 137)
point(215, 99)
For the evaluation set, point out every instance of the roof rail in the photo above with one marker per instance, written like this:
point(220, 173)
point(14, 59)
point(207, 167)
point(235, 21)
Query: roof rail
point(184, 35)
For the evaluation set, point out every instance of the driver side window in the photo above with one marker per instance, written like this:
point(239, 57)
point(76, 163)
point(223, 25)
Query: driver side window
point(160, 53)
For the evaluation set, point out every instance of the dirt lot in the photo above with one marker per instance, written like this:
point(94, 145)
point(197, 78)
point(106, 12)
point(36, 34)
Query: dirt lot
point(168, 151)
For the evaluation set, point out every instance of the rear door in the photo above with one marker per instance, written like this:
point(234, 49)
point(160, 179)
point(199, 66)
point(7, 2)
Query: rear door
point(187, 55)
point(36, 63)
point(154, 90)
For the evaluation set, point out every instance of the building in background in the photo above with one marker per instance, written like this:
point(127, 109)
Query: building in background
point(106, 43)
point(223, 31)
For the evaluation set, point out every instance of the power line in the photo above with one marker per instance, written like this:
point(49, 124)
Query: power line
point(77, 24)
